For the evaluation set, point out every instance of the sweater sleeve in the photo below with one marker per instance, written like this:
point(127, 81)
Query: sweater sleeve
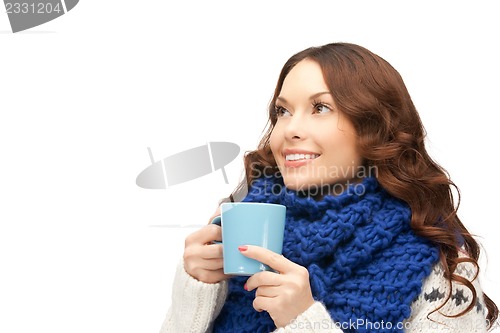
point(316, 319)
point(195, 304)
point(435, 291)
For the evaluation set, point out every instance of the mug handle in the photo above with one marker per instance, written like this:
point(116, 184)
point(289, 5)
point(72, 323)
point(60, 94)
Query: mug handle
point(218, 221)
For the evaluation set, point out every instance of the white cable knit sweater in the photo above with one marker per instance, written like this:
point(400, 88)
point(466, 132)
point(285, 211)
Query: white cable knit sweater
point(195, 305)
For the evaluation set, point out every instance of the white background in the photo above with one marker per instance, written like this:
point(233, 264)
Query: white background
point(82, 248)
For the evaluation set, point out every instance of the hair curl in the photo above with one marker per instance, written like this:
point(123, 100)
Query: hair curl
point(372, 94)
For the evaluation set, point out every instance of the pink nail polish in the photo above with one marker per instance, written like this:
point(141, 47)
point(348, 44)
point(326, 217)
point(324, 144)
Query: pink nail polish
point(242, 248)
point(245, 287)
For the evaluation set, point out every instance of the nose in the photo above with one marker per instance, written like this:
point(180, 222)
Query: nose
point(296, 127)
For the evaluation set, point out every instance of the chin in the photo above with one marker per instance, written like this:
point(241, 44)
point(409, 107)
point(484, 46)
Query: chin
point(300, 184)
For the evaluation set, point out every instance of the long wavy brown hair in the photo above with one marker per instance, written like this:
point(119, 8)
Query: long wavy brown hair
point(372, 94)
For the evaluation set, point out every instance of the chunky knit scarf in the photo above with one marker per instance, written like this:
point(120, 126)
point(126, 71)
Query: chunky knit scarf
point(365, 263)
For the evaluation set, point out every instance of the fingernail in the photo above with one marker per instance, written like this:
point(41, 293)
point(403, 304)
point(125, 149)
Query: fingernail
point(245, 287)
point(242, 248)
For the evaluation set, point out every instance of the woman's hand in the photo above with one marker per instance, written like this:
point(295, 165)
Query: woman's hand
point(202, 258)
point(285, 295)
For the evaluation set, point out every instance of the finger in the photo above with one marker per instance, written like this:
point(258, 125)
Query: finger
point(262, 303)
point(263, 279)
point(205, 235)
point(268, 257)
point(211, 251)
point(266, 291)
point(212, 264)
point(202, 264)
point(208, 276)
point(196, 254)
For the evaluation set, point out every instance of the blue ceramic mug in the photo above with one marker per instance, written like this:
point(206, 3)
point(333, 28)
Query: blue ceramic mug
point(249, 223)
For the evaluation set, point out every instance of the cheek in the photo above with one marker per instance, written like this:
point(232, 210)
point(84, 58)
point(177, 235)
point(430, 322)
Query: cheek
point(349, 151)
point(344, 148)
point(275, 142)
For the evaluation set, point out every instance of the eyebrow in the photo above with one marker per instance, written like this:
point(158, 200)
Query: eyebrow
point(310, 97)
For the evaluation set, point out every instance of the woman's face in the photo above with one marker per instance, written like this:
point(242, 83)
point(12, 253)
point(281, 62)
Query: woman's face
point(314, 145)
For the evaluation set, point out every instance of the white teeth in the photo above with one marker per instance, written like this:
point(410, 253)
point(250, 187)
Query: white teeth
point(295, 157)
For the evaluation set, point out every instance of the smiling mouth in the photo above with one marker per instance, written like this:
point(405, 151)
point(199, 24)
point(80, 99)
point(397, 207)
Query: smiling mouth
point(298, 157)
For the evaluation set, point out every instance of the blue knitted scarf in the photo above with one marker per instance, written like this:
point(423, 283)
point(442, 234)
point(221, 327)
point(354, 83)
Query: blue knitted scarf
point(365, 263)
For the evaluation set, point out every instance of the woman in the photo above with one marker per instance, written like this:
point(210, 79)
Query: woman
point(372, 239)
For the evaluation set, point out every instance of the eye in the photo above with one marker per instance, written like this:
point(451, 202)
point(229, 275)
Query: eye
point(281, 111)
point(321, 108)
